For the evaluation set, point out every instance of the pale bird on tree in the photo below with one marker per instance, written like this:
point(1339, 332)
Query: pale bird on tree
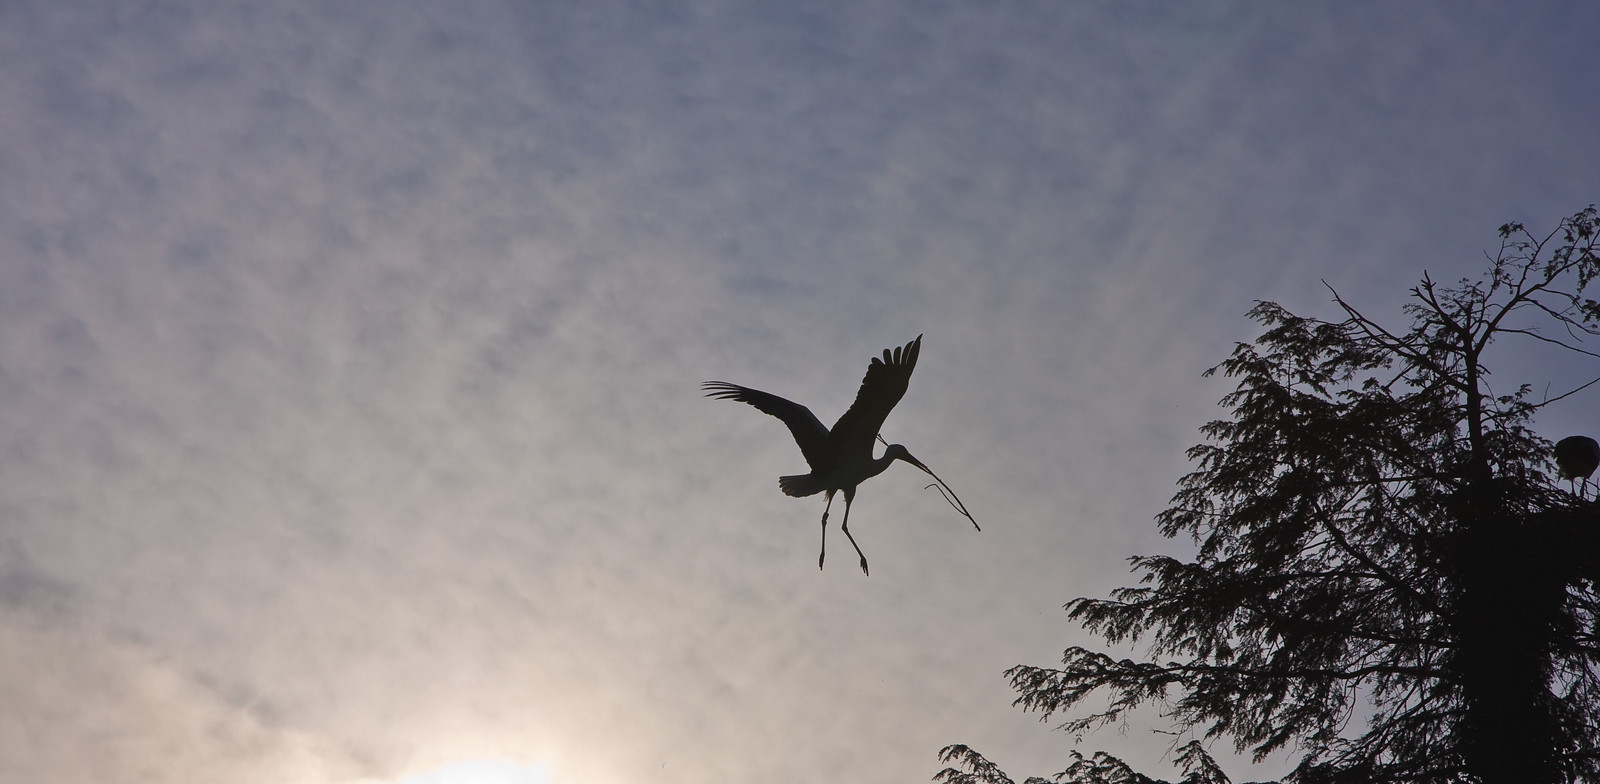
point(841, 457)
point(1577, 457)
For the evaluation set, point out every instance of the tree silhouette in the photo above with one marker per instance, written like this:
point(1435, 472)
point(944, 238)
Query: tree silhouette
point(1387, 582)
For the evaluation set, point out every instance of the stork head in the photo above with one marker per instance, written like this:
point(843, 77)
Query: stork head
point(898, 452)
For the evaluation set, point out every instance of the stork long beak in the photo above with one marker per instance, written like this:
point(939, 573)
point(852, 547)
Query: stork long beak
point(918, 463)
point(944, 490)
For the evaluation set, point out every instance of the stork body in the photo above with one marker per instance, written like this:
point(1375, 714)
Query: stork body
point(1577, 457)
point(840, 457)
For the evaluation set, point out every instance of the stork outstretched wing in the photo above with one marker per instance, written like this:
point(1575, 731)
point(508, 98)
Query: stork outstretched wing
point(807, 429)
point(883, 386)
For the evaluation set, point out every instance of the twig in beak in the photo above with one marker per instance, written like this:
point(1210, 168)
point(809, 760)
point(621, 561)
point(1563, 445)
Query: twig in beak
point(950, 496)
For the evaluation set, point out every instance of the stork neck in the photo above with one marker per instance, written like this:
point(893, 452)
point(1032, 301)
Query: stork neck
point(879, 465)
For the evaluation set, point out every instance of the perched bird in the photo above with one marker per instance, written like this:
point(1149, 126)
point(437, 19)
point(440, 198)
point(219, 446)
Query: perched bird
point(1576, 458)
point(841, 457)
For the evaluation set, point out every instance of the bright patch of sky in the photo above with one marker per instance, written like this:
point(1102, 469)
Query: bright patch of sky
point(483, 772)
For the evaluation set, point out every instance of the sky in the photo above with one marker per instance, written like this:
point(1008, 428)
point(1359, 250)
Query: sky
point(350, 422)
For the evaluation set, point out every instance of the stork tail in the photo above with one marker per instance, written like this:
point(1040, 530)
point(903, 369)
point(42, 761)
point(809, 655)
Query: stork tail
point(800, 485)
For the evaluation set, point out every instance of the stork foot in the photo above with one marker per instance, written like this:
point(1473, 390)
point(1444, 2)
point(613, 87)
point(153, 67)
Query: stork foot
point(845, 527)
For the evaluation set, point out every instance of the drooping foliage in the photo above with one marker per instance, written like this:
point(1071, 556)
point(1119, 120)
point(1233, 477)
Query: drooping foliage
point(1387, 582)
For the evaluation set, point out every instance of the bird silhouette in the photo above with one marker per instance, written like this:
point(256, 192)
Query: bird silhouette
point(840, 457)
point(1577, 457)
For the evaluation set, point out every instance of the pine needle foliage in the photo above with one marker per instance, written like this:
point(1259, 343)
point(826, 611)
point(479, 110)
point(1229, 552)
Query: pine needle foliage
point(1387, 584)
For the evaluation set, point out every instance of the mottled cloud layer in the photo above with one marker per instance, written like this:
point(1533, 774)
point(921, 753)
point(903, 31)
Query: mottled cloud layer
point(348, 354)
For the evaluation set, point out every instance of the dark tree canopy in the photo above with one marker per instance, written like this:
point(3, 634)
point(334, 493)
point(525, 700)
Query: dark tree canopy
point(1388, 582)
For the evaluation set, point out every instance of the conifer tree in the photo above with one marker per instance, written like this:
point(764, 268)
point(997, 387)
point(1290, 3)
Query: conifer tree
point(1387, 583)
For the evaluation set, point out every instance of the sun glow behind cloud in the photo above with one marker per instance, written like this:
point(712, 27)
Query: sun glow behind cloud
point(484, 771)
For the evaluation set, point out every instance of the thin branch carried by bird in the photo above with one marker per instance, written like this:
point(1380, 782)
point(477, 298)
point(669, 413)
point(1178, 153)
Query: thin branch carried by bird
point(945, 490)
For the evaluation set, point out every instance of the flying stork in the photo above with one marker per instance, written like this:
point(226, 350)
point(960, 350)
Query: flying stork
point(1576, 458)
point(841, 458)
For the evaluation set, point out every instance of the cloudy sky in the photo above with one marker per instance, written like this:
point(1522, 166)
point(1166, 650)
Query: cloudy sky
point(350, 427)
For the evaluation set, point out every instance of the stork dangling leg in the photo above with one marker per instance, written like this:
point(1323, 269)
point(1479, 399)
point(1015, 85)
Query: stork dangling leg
point(849, 495)
point(825, 508)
